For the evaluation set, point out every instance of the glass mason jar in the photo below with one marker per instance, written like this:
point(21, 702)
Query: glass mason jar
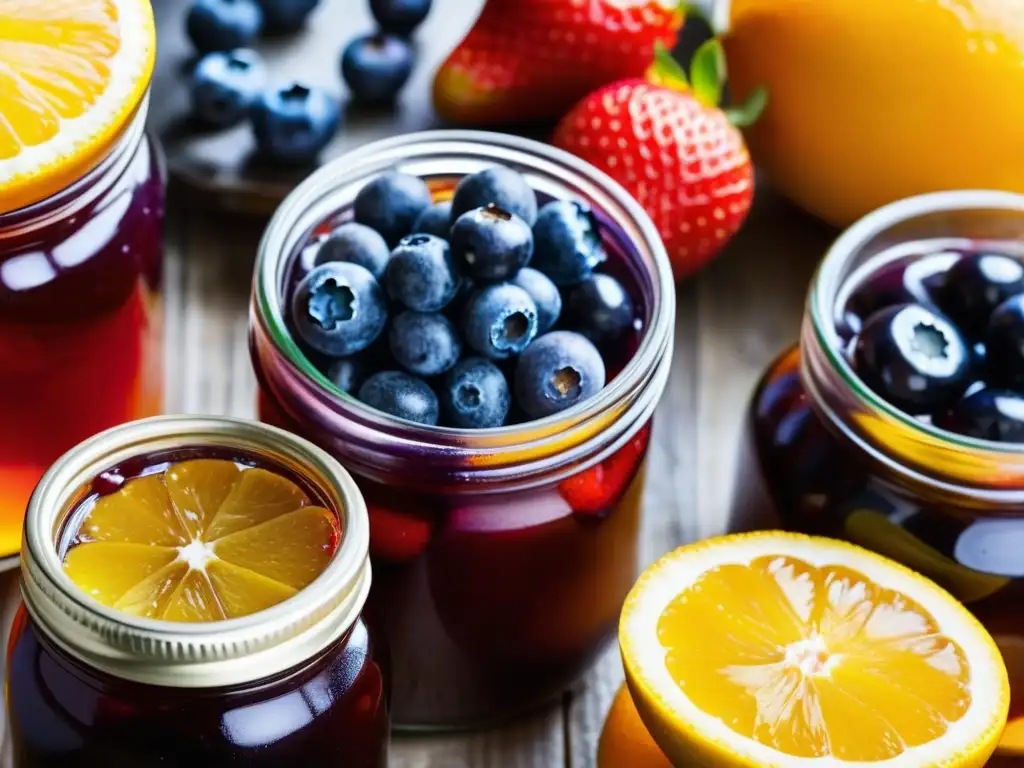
point(494, 591)
point(304, 682)
point(81, 320)
point(824, 454)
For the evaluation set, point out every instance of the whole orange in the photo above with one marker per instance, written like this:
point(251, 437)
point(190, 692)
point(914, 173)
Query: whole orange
point(871, 101)
point(625, 742)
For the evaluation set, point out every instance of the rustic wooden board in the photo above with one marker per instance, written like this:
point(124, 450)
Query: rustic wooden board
point(731, 321)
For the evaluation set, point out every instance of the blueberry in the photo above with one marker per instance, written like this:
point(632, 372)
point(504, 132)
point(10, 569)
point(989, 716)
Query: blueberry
point(599, 308)
point(500, 321)
point(498, 186)
point(917, 282)
point(557, 371)
point(222, 25)
point(567, 241)
point(401, 395)
point(420, 273)
point(988, 414)
point(435, 220)
point(976, 285)
point(424, 343)
point(225, 86)
point(490, 244)
point(295, 122)
point(357, 244)
point(375, 67)
point(1004, 344)
point(347, 373)
point(287, 15)
point(391, 204)
point(339, 309)
point(399, 16)
point(913, 357)
point(544, 294)
point(474, 395)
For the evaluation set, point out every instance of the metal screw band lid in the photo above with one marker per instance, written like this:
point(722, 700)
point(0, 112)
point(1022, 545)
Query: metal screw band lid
point(206, 655)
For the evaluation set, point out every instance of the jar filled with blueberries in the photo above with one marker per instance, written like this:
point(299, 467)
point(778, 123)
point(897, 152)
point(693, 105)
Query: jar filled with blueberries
point(897, 423)
point(479, 327)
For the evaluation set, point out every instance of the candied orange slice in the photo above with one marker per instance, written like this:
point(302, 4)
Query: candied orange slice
point(204, 540)
point(775, 649)
point(72, 75)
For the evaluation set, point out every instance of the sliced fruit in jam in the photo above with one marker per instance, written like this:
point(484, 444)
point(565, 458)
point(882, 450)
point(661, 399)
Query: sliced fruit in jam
point(400, 529)
point(204, 540)
point(595, 490)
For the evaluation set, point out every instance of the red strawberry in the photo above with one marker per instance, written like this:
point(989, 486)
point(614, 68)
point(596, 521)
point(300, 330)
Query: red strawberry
point(674, 150)
point(398, 537)
point(595, 490)
point(530, 60)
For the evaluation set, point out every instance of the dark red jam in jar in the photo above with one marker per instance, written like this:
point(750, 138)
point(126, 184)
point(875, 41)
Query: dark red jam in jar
point(501, 555)
point(81, 318)
point(896, 422)
point(193, 595)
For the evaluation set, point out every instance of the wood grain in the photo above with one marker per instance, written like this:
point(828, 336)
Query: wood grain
point(730, 322)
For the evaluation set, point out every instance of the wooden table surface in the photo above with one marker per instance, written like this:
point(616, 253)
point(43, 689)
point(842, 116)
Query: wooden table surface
point(731, 320)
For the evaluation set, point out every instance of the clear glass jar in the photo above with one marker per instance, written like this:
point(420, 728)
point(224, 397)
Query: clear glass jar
point(304, 682)
point(81, 318)
point(824, 454)
point(495, 593)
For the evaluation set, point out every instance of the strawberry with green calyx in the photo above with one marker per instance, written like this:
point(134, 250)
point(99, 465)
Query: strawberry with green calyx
point(665, 139)
point(530, 60)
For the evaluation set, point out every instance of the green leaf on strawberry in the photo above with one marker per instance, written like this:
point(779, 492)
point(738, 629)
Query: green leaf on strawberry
point(707, 72)
point(746, 114)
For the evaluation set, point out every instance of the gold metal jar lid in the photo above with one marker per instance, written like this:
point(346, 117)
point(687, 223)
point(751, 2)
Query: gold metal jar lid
point(202, 655)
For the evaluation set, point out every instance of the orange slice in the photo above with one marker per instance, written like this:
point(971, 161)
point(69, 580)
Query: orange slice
point(72, 76)
point(776, 649)
point(205, 540)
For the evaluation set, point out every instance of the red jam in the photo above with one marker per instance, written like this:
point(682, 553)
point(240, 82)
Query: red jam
point(81, 336)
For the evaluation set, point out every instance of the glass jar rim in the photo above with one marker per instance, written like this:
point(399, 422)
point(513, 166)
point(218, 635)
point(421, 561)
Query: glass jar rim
point(821, 334)
point(87, 186)
point(202, 654)
point(279, 238)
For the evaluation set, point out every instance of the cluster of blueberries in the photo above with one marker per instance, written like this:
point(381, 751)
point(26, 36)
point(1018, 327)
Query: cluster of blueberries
point(943, 339)
point(294, 121)
point(445, 287)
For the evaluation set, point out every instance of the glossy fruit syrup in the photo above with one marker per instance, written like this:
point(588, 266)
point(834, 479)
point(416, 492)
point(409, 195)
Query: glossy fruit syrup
point(815, 482)
point(493, 604)
point(81, 337)
point(325, 711)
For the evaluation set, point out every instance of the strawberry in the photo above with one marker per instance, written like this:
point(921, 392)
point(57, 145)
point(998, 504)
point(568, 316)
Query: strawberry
point(530, 60)
point(595, 490)
point(673, 149)
point(401, 523)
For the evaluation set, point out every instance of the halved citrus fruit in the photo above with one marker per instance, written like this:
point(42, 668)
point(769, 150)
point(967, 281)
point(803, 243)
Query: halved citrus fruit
point(72, 75)
point(776, 649)
point(204, 540)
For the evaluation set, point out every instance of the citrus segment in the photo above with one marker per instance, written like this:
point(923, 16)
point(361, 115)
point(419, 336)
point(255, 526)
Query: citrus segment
point(140, 513)
point(258, 496)
point(198, 489)
point(150, 596)
point(293, 549)
point(242, 591)
point(775, 649)
point(72, 74)
point(193, 600)
point(205, 540)
point(88, 566)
